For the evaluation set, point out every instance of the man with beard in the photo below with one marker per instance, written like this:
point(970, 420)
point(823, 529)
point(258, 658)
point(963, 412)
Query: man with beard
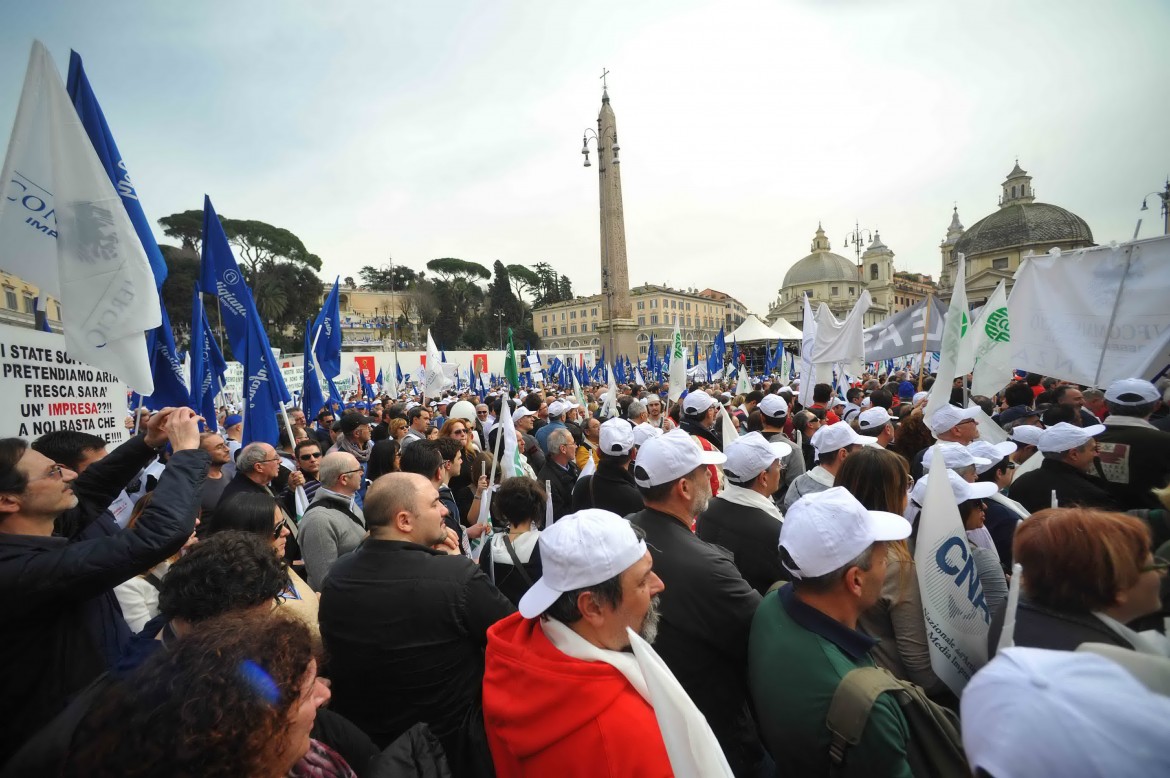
point(214, 444)
point(557, 688)
point(708, 606)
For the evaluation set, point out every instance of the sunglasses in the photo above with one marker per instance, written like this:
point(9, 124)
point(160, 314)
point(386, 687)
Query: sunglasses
point(279, 528)
point(1159, 564)
point(459, 432)
point(307, 457)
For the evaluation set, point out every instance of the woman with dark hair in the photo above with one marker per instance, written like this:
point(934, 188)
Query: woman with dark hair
point(383, 459)
point(880, 480)
point(237, 697)
point(1087, 575)
point(973, 513)
point(465, 484)
point(512, 558)
point(912, 436)
point(260, 515)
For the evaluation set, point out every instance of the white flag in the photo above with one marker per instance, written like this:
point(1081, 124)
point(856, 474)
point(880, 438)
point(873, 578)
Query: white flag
point(638, 379)
point(678, 365)
point(808, 373)
point(991, 343)
point(956, 613)
point(434, 379)
point(63, 227)
point(512, 461)
point(589, 469)
point(727, 427)
point(610, 409)
point(744, 384)
point(951, 354)
point(579, 394)
point(842, 341)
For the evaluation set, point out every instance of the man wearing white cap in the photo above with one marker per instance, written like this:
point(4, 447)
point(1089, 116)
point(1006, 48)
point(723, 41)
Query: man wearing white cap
point(832, 443)
point(707, 609)
point(958, 458)
point(699, 414)
point(1069, 454)
point(1002, 513)
point(1135, 455)
point(878, 424)
point(804, 638)
point(612, 486)
point(556, 414)
point(774, 413)
point(949, 424)
point(744, 519)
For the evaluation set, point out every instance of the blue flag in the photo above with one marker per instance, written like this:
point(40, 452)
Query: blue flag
point(312, 398)
point(398, 372)
point(207, 364)
point(379, 380)
point(327, 331)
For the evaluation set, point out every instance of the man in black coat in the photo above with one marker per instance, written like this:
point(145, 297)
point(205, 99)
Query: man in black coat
point(707, 607)
point(52, 644)
point(744, 519)
point(404, 619)
point(612, 486)
point(699, 413)
point(1135, 455)
point(1070, 454)
point(560, 470)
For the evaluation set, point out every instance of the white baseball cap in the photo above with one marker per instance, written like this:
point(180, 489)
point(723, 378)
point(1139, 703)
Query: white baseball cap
point(1132, 391)
point(948, 417)
point(582, 549)
point(557, 408)
point(831, 437)
point(644, 432)
point(955, 455)
point(1032, 711)
point(615, 438)
point(671, 456)
point(773, 406)
point(1065, 437)
point(1028, 434)
point(874, 418)
point(786, 389)
point(994, 452)
point(964, 490)
point(919, 397)
point(697, 403)
point(751, 454)
point(521, 412)
point(825, 530)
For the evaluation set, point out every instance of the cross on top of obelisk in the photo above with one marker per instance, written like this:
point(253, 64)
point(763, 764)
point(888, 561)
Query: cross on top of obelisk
point(604, 73)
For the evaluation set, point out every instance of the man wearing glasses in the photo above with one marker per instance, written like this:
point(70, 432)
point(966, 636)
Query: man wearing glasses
point(949, 425)
point(256, 467)
point(333, 525)
point(308, 458)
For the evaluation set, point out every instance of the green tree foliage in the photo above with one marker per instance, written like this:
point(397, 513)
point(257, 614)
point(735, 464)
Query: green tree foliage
point(186, 227)
point(452, 269)
point(260, 245)
point(525, 281)
point(389, 279)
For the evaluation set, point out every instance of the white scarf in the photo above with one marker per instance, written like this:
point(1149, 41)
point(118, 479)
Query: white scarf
point(690, 744)
point(1010, 504)
point(821, 476)
point(749, 498)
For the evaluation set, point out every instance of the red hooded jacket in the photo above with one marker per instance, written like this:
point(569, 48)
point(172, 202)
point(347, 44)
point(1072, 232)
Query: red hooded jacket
point(548, 714)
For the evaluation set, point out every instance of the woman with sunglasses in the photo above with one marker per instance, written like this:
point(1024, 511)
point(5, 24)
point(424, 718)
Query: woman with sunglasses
point(259, 514)
point(468, 484)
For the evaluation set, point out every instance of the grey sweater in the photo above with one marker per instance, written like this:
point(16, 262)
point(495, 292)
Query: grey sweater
point(330, 527)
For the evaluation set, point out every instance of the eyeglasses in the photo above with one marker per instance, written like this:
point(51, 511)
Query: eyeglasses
point(1159, 564)
point(56, 472)
point(277, 459)
point(459, 431)
point(351, 472)
point(307, 457)
point(481, 413)
point(279, 528)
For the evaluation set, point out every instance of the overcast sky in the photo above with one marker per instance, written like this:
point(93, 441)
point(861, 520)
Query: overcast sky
point(423, 130)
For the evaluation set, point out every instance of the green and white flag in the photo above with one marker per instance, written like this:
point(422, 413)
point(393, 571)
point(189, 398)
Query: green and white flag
point(511, 366)
point(678, 365)
point(512, 461)
point(992, 346)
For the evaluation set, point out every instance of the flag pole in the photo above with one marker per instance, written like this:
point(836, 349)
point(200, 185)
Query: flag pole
point(925, 338)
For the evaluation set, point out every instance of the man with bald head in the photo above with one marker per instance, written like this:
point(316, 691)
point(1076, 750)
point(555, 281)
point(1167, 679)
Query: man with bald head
point(333, 525)
point(404, 619)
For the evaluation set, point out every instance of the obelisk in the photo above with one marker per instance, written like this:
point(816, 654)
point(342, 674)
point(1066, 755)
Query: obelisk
point(617, 326)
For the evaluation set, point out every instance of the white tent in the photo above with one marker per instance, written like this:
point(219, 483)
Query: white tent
point(753, 331)
point(785, 330)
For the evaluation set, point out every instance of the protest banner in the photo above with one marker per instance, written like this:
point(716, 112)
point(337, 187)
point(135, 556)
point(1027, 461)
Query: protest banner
point(46, 391)
point(956, 613)
point(902, 333)
point(1093, 315)
point(366, 366)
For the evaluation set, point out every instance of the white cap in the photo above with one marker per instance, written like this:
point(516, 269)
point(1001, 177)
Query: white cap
point(644, 432)
point(411, 404)
point(824, 530)
point(948, 416)
point(671, 456)
point(1132, 391)
point(773, 406)
point(615, 438)
point(751, 454)
point(520, 413)
point(557, 408)
point(831, 437)
point(955, 455)
point(991, 451)
point(582, 549)
point(964, 490)
point(787, 389)
point(1031, 711)
point(697, 403)
point(726, 395)
point(919, 397)
point(1065, 437)
point(1028, 434)
point(463, 410)
point(873, 418)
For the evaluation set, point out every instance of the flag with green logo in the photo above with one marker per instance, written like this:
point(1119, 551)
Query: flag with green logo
point(511, 366)
point(678, 365)
point(992, 343)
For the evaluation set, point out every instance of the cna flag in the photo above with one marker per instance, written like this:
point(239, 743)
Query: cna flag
point(992, 345)
point(678, 365)
point(327, 332)
point(952, 354)
point(953, 603)
point(312, 397)
point(64, 228)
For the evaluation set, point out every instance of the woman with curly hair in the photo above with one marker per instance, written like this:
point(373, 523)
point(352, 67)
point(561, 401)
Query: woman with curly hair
point(912, 436)
point(236, 698)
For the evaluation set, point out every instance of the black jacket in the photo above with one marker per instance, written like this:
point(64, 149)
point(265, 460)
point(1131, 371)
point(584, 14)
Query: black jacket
point(610, 488)
point(1134, 460)
point(420, 617)
point(562, 481)
point(1033, 490)
point(48, 584)
point(751, 535)
point(1040, 627)
point(712, 436)
point(706, 616)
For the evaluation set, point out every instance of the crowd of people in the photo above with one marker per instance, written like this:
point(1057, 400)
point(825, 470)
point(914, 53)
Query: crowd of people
point(723, 584)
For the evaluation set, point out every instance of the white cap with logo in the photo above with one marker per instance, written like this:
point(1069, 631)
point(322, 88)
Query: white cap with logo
point(1065, 437)
point(831, 437)
point(751, 454)
point(671, 456)
point(955, 456)
point(582, 549)
point(823, 531)
point(614, 438)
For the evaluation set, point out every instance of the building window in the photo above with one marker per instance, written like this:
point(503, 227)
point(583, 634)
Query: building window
point(594, 312)
point(834, 291)
point(10, 298)
point(653, 318)
point(641, 306)
point(641, 321)
point(544, 332)
point(851, 290)
point(582, 313)
point(573, 329)
point(1000, 264)
point(873, 273)
point(642, 350)
point(674, 303)
point(29, 307)
point(544, 318)
point(653, 303)
point(562, 315)
point(563, 330)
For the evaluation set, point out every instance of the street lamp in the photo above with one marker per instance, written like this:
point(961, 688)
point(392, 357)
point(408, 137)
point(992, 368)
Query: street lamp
point(599, 138)
point(1165, 196)
point(858, 239)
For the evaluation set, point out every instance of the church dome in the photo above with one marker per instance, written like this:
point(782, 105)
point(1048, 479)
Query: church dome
point(820, 265)
point(1019, 224)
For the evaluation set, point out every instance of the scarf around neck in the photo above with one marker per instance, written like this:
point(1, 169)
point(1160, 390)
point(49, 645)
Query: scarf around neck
point(361, 455)
point(739, 495)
